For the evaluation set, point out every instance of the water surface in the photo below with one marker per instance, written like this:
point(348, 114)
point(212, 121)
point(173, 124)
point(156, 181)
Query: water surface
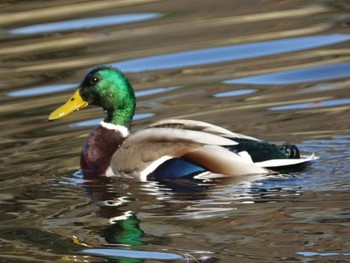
point(277, 70)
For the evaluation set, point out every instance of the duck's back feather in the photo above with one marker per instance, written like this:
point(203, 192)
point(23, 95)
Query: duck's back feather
point(175, 135)
point(199, 126)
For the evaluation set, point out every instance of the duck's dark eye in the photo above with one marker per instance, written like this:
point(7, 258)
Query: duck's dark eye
point(94, 80)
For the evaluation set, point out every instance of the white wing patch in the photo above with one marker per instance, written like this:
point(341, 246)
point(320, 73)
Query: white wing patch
point(285, 162)
point(109, 172)
point(245, 155)
point(152, 166)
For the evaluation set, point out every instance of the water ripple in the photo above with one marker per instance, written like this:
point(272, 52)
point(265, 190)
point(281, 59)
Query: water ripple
point(312, 105)
point(134, 254)
point(233, 93)
point(229, 53)
point(317, 73)
point(49, 89)
point(84, 23)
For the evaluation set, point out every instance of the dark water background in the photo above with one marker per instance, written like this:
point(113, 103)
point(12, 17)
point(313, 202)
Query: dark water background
point(277, 70)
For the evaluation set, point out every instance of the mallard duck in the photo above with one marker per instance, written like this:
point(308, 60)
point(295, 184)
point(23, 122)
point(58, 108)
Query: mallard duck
point(167, 149)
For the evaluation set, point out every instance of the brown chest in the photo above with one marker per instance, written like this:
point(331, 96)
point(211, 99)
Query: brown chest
point(98, 150)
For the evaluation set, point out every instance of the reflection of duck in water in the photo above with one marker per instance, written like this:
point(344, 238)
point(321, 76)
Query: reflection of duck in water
point(124, 228)
point(168, 149)
point(124, 233)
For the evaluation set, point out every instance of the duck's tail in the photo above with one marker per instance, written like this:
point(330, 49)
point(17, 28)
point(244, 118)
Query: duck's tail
point(291, 151)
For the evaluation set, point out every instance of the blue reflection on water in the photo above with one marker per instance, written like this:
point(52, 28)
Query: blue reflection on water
point(310, 105)
point(148, 92)
point(131, 253)
point(322, 254)
point(84, 23)
point(233, 93)
point(41, 90)
point(49, 89)
point(228, 53)
point(325, 72)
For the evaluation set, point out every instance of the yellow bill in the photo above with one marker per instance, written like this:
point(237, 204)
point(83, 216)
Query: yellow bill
point(76, 102)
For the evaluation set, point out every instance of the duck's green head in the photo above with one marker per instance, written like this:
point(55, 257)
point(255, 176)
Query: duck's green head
point(106, 87)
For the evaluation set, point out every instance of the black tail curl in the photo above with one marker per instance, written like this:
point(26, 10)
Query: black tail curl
point(291, 151)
